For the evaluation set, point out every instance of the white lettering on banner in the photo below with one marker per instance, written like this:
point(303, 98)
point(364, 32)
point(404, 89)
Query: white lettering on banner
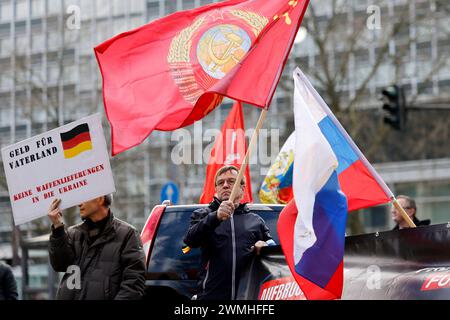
point(436, 281)
point(281, 289)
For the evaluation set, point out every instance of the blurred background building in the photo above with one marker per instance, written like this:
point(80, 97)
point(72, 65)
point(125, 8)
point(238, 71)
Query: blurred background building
point(350, 49)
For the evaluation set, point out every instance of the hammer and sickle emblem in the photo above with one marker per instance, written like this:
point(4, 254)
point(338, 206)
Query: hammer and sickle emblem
point(234, 42)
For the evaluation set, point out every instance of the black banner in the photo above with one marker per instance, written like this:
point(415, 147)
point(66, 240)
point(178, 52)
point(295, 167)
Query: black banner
point(392, 265)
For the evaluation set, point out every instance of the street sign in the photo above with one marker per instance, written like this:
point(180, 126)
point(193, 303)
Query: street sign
point(170, 192)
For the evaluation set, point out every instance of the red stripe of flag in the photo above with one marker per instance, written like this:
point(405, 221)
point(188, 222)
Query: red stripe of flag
point(82, 137)
point(360, 187)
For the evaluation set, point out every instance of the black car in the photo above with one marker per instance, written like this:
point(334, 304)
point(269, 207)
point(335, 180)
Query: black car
point(171, 273)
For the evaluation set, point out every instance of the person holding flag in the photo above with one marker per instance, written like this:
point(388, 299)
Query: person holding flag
point(331, 176)
point(228, 235)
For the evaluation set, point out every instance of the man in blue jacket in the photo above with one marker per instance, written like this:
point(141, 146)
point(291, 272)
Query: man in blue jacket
point(229, 235)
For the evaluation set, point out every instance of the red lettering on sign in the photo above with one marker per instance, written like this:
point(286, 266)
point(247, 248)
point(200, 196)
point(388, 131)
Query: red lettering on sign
point(436, 281)
point(22, 195)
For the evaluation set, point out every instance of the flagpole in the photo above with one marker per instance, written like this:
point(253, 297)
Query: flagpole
point(403, 213)
point(237, 184)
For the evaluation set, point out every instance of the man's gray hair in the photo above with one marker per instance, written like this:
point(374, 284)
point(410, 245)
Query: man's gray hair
point(411, 201)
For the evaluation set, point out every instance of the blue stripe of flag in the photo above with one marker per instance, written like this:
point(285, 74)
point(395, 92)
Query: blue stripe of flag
point(286, 180)
point(341, 148)
point(320, 262)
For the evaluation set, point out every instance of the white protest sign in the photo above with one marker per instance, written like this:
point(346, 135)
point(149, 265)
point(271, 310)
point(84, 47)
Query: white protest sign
point(70, 162)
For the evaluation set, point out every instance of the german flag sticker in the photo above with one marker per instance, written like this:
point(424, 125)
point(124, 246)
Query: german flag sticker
point(76, 141)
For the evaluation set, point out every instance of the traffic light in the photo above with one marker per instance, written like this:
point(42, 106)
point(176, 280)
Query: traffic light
point(394, 106)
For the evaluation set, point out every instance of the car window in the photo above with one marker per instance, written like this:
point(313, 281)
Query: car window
point(166, 255)
point(167, 258)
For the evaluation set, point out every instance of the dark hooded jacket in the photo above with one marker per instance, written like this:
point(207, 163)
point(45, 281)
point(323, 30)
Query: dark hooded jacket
point(226, 247)
point(8, 286)
point(108, 257)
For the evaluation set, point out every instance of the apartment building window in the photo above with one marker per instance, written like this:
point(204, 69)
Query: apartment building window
point(21, 9)
point(85, 69)
point(102, 8)
point(424, 30)
point(5, 47)
point(36, 72)
point(119, 25)
point(135, 181)
point(5, 112)
point(86, 35)
point(5, 11)
point(104, 31)
point(188, 4)
point(4, 30)
point(119, 7)
point(362, 73)
point(21, 72)
point(54, 7)
point(70, 105)
point(443, 27)
point(87, 8)
point(37, 8)
point(53, 73)
point(136, 22)
point(444, 71)
point(153, 10)
point(70, 72)
point(137, 6)
point(22, 44)
point(385, 73)
point(71, 36)
point(171, 7)
point(6, 81)
point(407, 70)
point(54, 39)
point(37, 42)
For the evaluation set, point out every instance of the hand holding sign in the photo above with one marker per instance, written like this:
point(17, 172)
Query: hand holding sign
point(54, 213)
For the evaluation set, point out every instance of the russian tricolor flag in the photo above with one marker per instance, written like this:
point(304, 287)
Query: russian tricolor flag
point(331, 177)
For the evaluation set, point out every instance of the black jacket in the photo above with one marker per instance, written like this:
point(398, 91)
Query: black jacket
point(417, 222)
point(223, 259)
point(8, 286)
point(111, 267)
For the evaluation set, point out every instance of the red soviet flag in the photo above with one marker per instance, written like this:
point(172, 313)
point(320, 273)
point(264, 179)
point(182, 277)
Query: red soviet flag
point(174, 71)
point(229, 149)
